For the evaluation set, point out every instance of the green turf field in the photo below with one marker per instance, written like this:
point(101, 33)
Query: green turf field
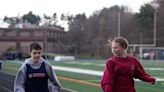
point(97, 65)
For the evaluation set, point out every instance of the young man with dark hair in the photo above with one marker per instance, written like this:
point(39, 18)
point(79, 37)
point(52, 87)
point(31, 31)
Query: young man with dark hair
point(121, 69)
point(34, 73)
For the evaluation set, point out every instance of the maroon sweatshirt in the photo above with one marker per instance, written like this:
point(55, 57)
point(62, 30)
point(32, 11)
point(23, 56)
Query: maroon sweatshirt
point(119, 73)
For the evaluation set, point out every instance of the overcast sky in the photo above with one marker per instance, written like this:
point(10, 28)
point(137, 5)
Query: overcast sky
point(39, 7)
point(13, 8)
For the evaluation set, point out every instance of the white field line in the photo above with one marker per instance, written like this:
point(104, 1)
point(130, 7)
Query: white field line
point(79, 63)
point(154, 69)
point(157, 79)
point(87, 71)
point(78, 70)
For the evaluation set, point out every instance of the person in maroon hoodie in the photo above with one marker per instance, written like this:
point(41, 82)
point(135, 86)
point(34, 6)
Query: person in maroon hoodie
point(121, 68)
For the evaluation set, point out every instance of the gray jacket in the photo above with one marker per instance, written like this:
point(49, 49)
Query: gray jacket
point(21, 76)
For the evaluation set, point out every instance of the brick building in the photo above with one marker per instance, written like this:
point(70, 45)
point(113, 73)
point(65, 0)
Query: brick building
point(19, 39)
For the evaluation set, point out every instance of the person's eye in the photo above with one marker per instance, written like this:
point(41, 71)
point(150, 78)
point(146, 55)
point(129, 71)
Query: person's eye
point(39, 52)
point(34, 53)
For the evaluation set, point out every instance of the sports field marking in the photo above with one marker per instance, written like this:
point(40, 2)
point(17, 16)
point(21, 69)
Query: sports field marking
point(70, 90)
point(71, 62)
point(104, 65)
point(157, 79)
point(100, 65)
point(80, 63)
point(86, 71)
point(160, 69)
point(78, 70)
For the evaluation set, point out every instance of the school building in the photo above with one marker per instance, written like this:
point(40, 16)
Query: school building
point(19, 39)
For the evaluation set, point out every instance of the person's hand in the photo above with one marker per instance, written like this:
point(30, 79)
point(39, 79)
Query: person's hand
point(153, 82)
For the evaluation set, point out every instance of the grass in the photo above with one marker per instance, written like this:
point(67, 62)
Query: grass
point(79, 87)
point(10, 67)
point(146, 87)
point(96, 65)
point(84, 77)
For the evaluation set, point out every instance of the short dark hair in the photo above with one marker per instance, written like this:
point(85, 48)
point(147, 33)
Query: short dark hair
point(35, 46)
point(122, 41)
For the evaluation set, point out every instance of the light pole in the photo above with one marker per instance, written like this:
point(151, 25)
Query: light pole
point(118, 17)
point(155, 27)
point(155, 6)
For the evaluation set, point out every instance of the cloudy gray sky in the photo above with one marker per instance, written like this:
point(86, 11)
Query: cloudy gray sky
point(20, 7)
point(12, 8)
